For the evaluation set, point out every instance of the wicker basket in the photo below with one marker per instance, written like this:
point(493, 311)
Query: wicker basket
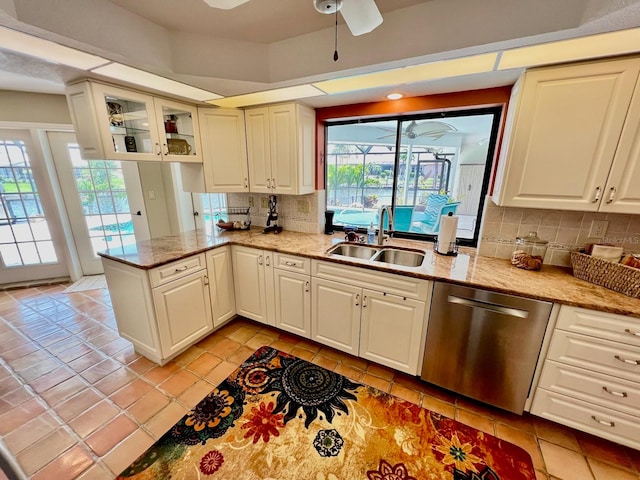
point(615, 276)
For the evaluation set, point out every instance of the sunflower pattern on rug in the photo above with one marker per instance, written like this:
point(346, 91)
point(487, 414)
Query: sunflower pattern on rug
point(279, 417)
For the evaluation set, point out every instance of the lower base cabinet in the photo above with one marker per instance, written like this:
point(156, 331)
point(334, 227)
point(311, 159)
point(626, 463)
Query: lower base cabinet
point(590, 378)
point(164, 310)
point(253, 281)
point(385, 325)
point(221, 288)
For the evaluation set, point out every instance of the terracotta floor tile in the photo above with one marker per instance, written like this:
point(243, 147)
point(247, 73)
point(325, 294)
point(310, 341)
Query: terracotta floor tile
point(31, 432)
point(240, 355)
point(479, 422)
point(16, 397)
point(324, 362)
point(126, 355)
point(100, 370)
point(67, 466)
point(126, 452)
point(8, 384)
point(355, 362)
point(158, 374)
point(178, 383)
point(39, 368)
point(116, 346)
point(259, 340)
point(162, 421)
point(523, 422)
point(77, 404)
point(221, 372)
point(74, 352)
point(438, 406)
point(209, 343)
point(604, 471)
point(380, 371)
point(189, 355)
point(306, 344)
point(97, 472)
point(556, 433)
point(86, 361)
point(282, 346)
point(564, 463)
point(111, 434)
point(302, 353)
point(130, 393)
point(603, 450)
point(243, 334)
point(376, 382)
point(204, 364)
point(405, 393)
point(45, 450)
point(115, 380)
point(148, 406)
point(141, 365)
point(349, 372)
point(523, 439)
point(225, 347)
point(64, 390)
point(92, 419)
point(190, 397)
point(19, 352)
point(51, 379)
point(475, 407)
point(15, 418)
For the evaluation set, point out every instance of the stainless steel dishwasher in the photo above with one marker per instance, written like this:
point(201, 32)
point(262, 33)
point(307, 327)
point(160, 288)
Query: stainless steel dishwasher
point(484, 345)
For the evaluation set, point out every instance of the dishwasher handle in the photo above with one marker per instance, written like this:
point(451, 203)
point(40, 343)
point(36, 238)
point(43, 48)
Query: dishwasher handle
point(493, 307)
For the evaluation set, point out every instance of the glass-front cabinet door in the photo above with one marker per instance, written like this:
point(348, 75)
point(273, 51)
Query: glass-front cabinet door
point(178, 131)
point(127, 124)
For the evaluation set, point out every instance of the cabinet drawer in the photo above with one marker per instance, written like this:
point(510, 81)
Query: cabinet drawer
point(610, 358)
point(584, 416)
point(178, 269)
point(292, 263)
point(375, 280)
point(603, 390)
point(600, 324)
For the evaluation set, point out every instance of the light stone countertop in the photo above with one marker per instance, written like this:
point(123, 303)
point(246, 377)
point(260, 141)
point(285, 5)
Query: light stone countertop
point(555, 284)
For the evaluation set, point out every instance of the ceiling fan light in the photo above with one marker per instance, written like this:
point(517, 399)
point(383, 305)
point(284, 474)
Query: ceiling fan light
point(395, 96)
point(327, 7)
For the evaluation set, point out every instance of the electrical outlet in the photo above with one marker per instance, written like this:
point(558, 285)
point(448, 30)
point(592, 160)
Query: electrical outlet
point(598, 228)
point(251, 202)
point(264, 202)
point(303, 206)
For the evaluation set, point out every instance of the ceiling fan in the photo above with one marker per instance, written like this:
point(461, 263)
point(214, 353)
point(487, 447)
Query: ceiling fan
point(432, 129)
point(361, 16)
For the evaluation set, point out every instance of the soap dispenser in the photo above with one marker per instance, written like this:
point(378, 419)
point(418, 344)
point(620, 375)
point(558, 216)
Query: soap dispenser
point(371, 233)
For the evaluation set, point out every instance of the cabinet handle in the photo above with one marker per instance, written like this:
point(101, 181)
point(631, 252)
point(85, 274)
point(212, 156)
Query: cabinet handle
point(158, 150)
point(613, 392)
point(246, 182)
point(357, 299)
point(612, 194)
point(306, 286)
point(291, 264)
point(627, 360)
point(166, 149)
point(603, 422)
point(636, 334)
point(260, 260)
point(182, 269)
point(206, 280)
point(273, 183)
point(268, 262)
point(364, 302)
point(597, 197)
point(269, 183)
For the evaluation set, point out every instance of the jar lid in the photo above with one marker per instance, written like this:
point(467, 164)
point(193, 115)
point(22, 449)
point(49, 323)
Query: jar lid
point(532, 238)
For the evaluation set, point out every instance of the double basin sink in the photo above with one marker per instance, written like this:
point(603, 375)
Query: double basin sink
point(390, 255)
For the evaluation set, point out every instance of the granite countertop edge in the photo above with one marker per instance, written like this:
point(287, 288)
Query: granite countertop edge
point(553, 284)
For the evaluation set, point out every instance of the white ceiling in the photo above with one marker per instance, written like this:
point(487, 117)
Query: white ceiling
point(269, 44)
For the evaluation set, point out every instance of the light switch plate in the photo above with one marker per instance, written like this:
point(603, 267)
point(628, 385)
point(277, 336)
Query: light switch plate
point(264, 202)
point(598, 228)
point(303, 206)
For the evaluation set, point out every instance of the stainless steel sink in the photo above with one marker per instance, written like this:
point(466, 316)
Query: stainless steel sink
point(396, 256)
point(363, 252)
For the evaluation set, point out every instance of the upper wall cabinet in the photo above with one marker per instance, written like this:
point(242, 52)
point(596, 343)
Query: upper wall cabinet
point(572, 139)
point(120, 124)
point(280, 149)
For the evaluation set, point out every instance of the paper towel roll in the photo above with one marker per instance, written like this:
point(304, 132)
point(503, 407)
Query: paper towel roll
point(447, 233)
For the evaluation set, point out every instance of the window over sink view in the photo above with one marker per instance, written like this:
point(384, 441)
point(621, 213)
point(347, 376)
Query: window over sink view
point(425, 166)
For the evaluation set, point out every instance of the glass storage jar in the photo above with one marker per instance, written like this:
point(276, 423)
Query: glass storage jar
point(529, 252)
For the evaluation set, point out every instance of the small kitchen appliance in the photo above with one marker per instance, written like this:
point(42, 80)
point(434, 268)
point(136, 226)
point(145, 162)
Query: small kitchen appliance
point(273, 216)
point(328, 222)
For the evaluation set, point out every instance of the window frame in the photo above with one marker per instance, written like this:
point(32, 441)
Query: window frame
point(496, 110)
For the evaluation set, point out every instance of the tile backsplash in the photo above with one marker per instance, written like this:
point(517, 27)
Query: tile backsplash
point(564, 230)
point(300, 213)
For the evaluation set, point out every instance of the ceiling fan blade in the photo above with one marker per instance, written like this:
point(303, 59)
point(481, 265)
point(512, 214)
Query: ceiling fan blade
point(361, 16)
point(225, 4)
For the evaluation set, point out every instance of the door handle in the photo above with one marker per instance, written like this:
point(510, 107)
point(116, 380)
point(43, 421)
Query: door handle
point(597, 197)
point(493, 307)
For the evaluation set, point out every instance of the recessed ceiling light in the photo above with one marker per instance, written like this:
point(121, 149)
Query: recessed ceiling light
point(395, 96)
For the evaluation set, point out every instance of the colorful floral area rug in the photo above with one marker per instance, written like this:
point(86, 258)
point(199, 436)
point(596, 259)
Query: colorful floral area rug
point(279, 417)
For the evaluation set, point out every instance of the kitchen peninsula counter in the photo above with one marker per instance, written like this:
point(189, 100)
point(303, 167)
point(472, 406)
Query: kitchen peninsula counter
point(554, 284)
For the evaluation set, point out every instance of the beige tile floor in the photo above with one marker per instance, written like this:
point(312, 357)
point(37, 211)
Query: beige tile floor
point(77, 402)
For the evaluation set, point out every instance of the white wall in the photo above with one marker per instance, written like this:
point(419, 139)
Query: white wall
point(33, 108)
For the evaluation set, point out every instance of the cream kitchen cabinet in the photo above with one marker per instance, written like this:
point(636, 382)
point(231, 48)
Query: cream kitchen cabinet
point(380, 317)
point(281, 149)
point(292, 290)
point(572, 139)
point(590, 378)
point(224, 154)
point(115, 123)
point(221, 288)
point(253, 281)
point(164, 310)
